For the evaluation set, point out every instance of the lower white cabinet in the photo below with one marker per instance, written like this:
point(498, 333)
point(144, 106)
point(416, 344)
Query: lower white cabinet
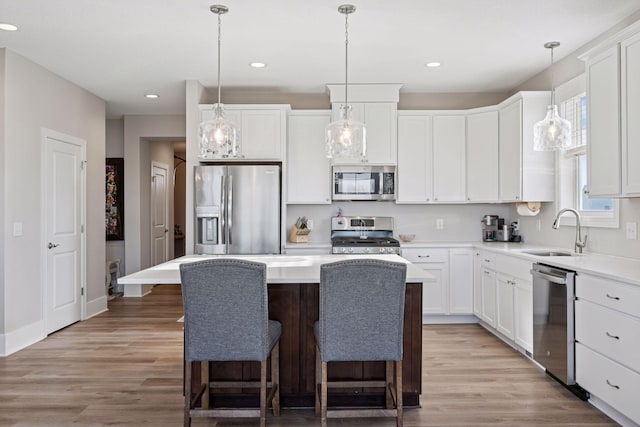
point(488, 285)
point(504, 294)
point(452, 291)
point(523, 302)
point(607, 316)
point(477, 283)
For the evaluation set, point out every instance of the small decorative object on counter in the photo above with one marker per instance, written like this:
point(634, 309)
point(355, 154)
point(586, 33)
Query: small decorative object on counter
point(299, 233)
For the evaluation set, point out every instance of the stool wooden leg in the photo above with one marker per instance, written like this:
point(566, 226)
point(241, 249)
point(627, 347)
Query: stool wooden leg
point(399, 420)
point(323, 395)
point(263, 393)
point(389, 380)
point(204, 379)
point(187, 394)
point(317, 382)
point(275, 378)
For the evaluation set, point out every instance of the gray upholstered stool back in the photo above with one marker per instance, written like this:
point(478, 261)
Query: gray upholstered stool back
point(225, 310)
point(361, 310)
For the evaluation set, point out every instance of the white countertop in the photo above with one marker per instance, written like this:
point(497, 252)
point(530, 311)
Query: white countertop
point(280, 268)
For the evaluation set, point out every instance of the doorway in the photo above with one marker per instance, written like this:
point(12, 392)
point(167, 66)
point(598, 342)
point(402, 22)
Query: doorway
point(64, 201)
point(159, 213)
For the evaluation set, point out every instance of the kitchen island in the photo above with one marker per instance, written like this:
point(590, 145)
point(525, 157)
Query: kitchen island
point(293, 289)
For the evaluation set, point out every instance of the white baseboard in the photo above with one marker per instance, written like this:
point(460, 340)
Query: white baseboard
point(96, 306)
point(611, 412)
point(21, 338)
point(438, 319)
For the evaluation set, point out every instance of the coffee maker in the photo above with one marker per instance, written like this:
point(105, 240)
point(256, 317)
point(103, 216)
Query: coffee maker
point(490, 226)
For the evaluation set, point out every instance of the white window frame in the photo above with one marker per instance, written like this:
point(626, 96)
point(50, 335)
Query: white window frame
point(567, 173)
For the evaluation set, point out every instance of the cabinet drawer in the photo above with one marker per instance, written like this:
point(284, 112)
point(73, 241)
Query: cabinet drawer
point(613, 334)
point(611, 382)
point(610, 293)
point(515, 267)
point(425, 255)
point(488, 260)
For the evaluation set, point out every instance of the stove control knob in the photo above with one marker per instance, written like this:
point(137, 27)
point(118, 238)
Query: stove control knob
point(366, 250)
point(351, 250)
point(344, 250)
point(383, 250)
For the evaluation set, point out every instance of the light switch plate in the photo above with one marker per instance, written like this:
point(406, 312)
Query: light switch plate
point(632, 230)
point(440, 224)
point(17, 229)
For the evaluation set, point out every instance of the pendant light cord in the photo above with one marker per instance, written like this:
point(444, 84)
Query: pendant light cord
point(346, 56)
point(553, 89)
point(219, 33)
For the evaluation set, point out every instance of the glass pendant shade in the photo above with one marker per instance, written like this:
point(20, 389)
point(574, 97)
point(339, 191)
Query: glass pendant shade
point(346, 137)
point(552, 133)
point(219, 138)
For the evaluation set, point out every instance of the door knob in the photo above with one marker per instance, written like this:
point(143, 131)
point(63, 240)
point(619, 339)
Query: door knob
point(51, 245)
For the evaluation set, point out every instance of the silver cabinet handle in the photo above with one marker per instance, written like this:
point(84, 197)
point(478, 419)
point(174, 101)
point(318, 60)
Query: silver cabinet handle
point(487, 260)
point(612, 336)
point(52, 245)
point(611, 297)
point(486, 272)
point(424, 256)
point(617, 387)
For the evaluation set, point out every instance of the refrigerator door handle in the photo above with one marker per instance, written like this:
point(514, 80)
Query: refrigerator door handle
point(230, 209)
point(223, 222)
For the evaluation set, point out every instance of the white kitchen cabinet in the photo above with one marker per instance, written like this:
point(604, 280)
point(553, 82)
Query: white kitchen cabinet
point(308, 168)
point(415, 153)
point(488, 285)
point(449, 158)
point(461, 280)
point(482, 157)
point(630, 97)
point(504, 309)
point(435, 295)
point(525, 174)
point(477, 283)
point(523, 304)
point(262, 129)
point(380, 119)
point(613, 96)
point(607, 314)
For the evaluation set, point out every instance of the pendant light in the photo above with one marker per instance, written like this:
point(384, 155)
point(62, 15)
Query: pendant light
point(219, 137)
point(553, 132)
point(346, 137)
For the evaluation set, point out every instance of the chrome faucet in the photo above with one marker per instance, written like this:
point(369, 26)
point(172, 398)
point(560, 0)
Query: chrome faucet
point(579, 242)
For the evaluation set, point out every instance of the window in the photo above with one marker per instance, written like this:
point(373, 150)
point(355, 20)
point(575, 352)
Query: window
point(572, 164)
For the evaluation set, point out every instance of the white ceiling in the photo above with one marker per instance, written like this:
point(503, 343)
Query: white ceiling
point(122, 49)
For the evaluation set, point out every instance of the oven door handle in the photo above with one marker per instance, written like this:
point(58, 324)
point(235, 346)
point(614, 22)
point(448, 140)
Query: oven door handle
point(558, 280)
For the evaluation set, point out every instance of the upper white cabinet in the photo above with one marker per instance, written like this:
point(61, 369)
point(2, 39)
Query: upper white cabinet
point(449, 158)
point(308, 168)
point(482, 157)
point(431, 157)
point(613, 96)
point(525, 174)
point(377, 107)
point(415, 157)
point(262, 129)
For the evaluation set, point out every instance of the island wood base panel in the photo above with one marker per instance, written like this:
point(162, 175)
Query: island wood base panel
point(296, 306)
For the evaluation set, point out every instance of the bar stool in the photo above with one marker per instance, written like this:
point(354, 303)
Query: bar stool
point(226, 318)
point(361, 319)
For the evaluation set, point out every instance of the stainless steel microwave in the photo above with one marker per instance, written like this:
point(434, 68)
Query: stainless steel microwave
point(364, 183)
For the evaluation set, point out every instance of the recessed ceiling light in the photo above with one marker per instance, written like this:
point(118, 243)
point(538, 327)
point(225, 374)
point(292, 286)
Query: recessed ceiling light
point(8, 27)
point(152, 96)
point(432, 64)
point(258, 64)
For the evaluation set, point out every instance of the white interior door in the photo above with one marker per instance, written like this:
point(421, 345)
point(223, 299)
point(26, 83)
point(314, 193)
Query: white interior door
point(159, 213)
point(64, 201)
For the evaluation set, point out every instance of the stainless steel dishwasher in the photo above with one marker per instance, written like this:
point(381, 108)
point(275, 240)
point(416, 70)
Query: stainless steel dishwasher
point(554, 324)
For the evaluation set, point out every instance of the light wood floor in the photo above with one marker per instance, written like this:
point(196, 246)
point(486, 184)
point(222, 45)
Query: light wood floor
point(124, 368)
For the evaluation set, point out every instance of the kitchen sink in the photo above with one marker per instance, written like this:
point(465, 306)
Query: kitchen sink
point(548, 253)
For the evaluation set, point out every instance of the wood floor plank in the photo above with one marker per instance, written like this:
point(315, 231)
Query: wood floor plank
point(124, 368)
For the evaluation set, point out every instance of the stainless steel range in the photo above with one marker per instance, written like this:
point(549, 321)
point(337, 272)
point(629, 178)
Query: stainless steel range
point(363, 235)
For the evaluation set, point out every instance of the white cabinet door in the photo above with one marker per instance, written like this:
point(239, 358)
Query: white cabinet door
point(477, 284)
point(380, 119)
point(523, 307)
point(603, 97)
point(461, 281)
point(414, 159)
point(489, 296)
point(308, 169)
point(434, 294)
point(630, 92)
point(482, 157)
point(510, 158)
point(504, 294)
point(260, 134)
point(449, 137)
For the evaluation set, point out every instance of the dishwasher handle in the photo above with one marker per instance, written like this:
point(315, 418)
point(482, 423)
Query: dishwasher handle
point(558, 280)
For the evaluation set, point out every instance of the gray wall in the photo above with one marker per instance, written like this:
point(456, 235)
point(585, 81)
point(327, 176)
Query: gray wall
point(35, 98)
point(2, 190)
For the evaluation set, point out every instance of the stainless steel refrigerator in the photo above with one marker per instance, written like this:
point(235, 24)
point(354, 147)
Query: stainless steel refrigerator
point(237, 209)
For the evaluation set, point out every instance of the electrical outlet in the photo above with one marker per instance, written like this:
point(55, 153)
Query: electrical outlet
point(440, 224)
point(309, 223)
point(632, 230)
